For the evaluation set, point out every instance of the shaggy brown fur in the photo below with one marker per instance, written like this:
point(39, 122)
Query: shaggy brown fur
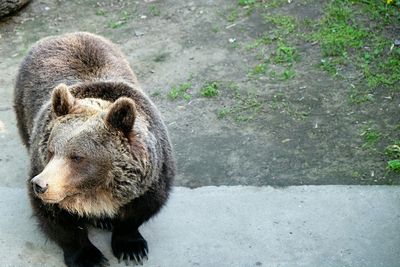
point(100, 153)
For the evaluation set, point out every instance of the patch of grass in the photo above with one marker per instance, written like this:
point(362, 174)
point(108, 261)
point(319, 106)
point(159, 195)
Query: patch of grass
point(394, 165)
point(259, 69)
point(232, 16)
point(125, 16)
point(357, 97)
point(370, 136)
point(223, 112)
point(339, 37)
point(288, 74)
point(210, 89)
point(264, 40)
point(382, 10)
point(348, 38)
point(215, 29)
point(285, 24)
point(246, 2)
point(385, 72)
point(285, 54)
point(393, 151)
point(280, 103)
point(100, 12)
point(154, 10)
point(180, 91)
point(274, 3)
point(245, 106)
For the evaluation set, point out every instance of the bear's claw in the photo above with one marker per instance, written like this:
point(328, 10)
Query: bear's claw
point(130, 248)
point(105, 224)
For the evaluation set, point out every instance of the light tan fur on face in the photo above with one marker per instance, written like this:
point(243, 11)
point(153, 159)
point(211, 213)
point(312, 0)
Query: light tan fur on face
point(98, 203)
point(55, 175)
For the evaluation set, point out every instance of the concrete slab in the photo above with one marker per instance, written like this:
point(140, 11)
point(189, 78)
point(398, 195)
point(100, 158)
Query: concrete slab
point(239, 226)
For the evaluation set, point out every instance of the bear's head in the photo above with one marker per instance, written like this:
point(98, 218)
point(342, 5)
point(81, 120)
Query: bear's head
point(93, 158)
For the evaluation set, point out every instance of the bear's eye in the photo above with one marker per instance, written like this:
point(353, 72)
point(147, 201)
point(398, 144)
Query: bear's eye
point(76, 158)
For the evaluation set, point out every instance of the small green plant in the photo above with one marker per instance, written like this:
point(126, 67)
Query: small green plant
point(288, 74)
point(285, 24)
point(180, 91)
point(100, 12)
point(285, 54)
point(259, 69)
point(125, 16)
point(245, 107)
point(232, 16)
point(282, 104)
point(394, 165)
point(393, 151)
point(246, 2)
point(209, 89)
point(223, 112)
point(370, 137)
point(215, 29)
point(264, 40)
point(153, 9)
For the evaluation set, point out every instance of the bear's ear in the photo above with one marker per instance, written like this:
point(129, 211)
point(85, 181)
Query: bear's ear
point(61, 100)
point(121, 115)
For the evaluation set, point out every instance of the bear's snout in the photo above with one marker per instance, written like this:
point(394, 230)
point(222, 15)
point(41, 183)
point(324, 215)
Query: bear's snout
point(39, 186)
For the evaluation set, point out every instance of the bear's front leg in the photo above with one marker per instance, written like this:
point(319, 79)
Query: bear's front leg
point(72, 236)
point(84, 255)
point(128, 244)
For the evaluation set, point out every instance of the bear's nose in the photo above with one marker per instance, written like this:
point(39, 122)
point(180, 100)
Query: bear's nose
point(39, 186)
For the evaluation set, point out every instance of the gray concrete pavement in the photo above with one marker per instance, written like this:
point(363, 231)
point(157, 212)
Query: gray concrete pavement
point(239, 226)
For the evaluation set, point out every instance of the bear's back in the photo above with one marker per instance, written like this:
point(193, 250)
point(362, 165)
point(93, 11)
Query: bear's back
point(71, 59)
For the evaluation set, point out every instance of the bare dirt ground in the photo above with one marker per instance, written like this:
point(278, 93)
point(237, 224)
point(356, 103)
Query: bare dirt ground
point(281, 126)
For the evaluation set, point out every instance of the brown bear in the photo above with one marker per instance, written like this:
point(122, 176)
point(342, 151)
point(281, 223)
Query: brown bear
point(100, 152)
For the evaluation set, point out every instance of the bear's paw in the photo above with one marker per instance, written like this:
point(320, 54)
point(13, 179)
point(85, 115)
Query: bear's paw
point(130, 248)
point(88, 256)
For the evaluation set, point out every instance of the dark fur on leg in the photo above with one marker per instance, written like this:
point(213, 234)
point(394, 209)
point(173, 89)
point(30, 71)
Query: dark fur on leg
point(71, 234)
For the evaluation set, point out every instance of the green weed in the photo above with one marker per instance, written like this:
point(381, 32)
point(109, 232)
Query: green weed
point(246, 2)
point(245, 107)
point(285, 24)
point(154, 10)
point(265, 40)
point(215, 29)
point(209, 89)
point(100, 12)
point(223, 112)
point(370, 137)
point(125, 16)
point(280, 103)
point(393, 151)
point(394, 165)
point(288, 74)
point(232, 16)
point(284, 54)
point(259, 69)
point(180, 91)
